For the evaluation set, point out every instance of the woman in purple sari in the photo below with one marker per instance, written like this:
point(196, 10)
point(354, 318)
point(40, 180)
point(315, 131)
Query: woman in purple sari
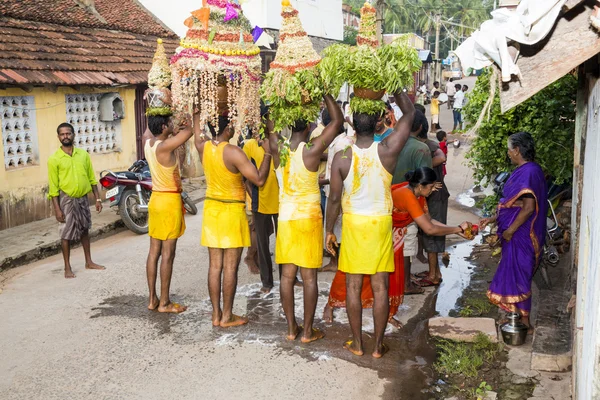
point(521, 220)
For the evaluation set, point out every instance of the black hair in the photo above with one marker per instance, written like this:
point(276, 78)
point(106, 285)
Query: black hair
point(436, 82)
point(344, 105)
point(365, 124)
point(223, 122)
point(440, 135)
point(466, 88)
point(65, 125)
point(325, 117)
point(436, 93)
point(524, 141)
point(420, 121)
point(299, 126)
point(420, 107)
point(458, 86)
point(156, 122)
point(421, 176)
point(388, 106)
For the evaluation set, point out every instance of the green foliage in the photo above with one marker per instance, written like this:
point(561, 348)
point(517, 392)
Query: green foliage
point(366, 106)
point(482, 390)
point(159, 111)
point(549, 116)
point(350, 34)
point(332, 68)
point(457, 358)
point(476, 306)
point(488, 204)
point(292, 97)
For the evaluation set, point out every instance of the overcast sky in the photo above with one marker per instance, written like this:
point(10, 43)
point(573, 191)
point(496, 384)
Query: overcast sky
point(173, 12)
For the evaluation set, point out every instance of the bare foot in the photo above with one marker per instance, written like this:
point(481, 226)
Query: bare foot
point(292, 336)
point(235, 320)
point(395, 323)
point(265, 290)
point(252, 266)
point(69, 273)
point(153, 304)
point(172, 308)
point(380, 352)
point(93, 265)
point(315, 335)
point(349, 345)
point(331, 267)
point(216, 318)
point(421, 257)
point(413, 289)
point(328, 314)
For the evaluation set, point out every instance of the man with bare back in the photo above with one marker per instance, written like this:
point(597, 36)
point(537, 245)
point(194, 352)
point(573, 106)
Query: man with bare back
point(225, 228)
point(299, 241)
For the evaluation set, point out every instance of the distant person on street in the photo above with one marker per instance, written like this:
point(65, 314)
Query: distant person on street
point(450, 91)
point(225, 228)
point(442, 137)
point(459, 99)
point(435, 112)
point(165, 210)
point(435, 88)
point(414, 155)
point(70, 179)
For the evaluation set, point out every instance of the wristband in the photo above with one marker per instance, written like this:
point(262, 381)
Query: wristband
point(98, 201)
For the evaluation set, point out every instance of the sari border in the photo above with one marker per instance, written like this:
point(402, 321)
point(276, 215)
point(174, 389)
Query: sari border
point(508, 303)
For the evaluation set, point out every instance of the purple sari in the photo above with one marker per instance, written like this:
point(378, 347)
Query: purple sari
point(511, 287)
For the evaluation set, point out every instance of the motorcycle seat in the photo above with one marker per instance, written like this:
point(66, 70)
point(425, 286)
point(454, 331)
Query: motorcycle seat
point(128, 175)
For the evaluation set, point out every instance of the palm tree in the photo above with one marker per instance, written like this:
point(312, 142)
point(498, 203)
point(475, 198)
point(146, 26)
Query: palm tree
point(470, 14)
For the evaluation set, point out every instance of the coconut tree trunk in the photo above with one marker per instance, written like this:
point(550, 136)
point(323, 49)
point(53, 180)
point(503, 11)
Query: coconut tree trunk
point(380, 8)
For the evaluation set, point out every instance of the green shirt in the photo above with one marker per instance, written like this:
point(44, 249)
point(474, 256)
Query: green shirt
point(73, 174)
point(415, 154)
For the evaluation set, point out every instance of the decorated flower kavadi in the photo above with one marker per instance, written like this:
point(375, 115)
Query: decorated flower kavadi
point(158, 95)
point(217, 67)
point(292, 87)
point(371, 69)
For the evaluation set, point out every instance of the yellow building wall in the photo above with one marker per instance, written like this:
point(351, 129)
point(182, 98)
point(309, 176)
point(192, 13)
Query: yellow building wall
point(23, 190)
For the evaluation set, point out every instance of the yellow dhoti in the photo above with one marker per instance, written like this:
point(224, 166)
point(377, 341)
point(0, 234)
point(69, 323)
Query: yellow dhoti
point(224, 225)
point(368, 247)
point(300, 242)
point(165, 216)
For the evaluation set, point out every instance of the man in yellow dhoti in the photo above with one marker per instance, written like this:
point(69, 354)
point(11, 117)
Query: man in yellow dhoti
point(300, 227)
point(165, 210)
point(360, 183)
point(225, 228)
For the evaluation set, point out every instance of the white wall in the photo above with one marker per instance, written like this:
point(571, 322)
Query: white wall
point(321, 18)
point(587, 331)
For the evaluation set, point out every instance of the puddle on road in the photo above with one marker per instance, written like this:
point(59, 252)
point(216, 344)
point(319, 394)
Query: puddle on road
point(457, 276)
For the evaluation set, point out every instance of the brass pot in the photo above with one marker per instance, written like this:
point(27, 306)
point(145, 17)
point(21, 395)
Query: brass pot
point(370, 94)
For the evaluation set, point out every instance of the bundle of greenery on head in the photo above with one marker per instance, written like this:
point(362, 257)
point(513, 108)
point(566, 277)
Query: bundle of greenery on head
point(292, 87)
point(371, 69)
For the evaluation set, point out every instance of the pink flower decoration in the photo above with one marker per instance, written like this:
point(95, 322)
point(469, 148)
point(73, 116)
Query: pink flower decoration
point(230, 13)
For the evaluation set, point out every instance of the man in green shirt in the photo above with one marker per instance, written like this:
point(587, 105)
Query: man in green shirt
point(70, 179)
point(415, 154)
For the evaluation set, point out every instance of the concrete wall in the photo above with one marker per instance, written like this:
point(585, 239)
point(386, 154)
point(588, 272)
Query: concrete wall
point(23, 190)
point(587, 319)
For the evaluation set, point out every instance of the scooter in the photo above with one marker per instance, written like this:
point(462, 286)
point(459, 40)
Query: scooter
point(129, 191)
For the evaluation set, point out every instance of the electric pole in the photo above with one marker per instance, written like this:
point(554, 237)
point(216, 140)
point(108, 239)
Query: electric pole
point(437, 72)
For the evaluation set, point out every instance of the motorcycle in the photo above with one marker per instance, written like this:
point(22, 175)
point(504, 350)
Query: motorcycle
point(554, 233)
point(129, 191)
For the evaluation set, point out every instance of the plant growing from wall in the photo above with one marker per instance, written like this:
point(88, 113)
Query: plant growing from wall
point(549, 116)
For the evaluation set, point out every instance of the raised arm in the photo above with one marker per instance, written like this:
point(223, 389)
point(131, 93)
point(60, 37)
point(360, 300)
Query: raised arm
point(334, 202)
point(312, 156)
point(174, 141)
point(247, 169)
point(397, 139)
point(200, 137)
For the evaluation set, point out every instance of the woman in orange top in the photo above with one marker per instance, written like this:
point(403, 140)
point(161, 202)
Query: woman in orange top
point(409, 205)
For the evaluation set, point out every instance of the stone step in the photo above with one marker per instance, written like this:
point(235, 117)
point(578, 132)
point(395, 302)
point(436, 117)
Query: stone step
point(462, 329)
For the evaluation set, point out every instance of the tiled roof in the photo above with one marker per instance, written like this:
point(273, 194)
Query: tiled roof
point(120, 15)
point(34, 53)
